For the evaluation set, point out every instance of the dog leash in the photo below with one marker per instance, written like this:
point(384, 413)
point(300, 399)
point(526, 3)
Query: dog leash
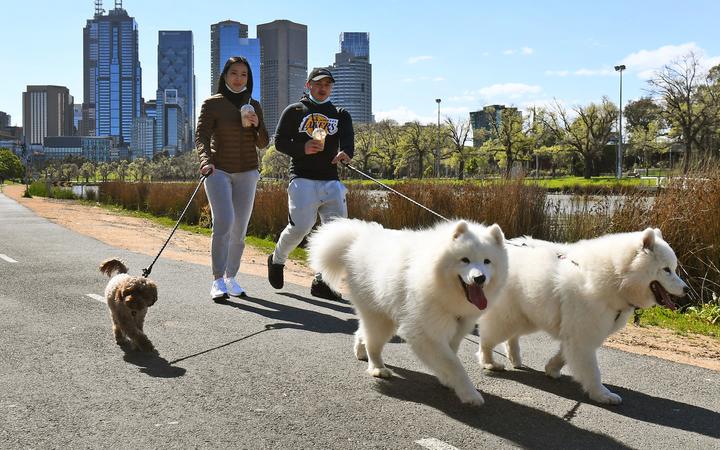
point(394, 191)
point(148, 269)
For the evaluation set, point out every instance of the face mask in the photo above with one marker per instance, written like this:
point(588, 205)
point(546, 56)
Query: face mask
point(235, 92)
point(318, 101)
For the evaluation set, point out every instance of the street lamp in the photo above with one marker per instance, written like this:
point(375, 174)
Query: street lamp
point(618, 169)
point(437, 155)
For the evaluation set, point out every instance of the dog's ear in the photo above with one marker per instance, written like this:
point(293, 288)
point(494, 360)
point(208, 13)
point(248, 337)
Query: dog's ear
point(648, 238)
point(658, 233)
point(460, 228)
point(497, 234)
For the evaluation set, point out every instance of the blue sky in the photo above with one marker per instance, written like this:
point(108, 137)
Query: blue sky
point(468, 53)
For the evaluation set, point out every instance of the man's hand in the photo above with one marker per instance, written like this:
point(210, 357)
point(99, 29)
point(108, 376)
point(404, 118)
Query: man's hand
point(253, 119)
point(341, 157)
point(313, 146)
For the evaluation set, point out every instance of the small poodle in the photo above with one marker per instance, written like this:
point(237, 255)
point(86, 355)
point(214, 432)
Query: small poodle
point(128, 298)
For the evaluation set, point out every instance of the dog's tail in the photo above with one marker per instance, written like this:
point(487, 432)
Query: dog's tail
point(329, 244)
point(112, 265)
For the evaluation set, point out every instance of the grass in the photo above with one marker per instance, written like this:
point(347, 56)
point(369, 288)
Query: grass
point(683, 324)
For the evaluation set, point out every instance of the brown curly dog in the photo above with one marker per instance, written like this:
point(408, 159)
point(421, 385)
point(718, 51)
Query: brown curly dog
point(128, 298)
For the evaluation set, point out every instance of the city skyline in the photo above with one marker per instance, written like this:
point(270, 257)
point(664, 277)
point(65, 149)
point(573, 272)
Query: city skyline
point(466, 54)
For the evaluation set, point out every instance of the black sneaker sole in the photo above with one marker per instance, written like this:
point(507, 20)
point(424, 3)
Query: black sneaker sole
point(221, 298)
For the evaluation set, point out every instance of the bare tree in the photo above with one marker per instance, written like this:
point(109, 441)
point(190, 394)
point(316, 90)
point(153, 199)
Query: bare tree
point(678, 85)
point(587, 132)
point(459, 132)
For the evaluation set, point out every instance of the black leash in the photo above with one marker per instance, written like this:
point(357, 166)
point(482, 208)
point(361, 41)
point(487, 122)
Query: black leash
point(148, 269)
point(396, 192)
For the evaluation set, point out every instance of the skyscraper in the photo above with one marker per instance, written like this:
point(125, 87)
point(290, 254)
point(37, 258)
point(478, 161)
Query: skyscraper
point(353, 76)
point(230, 38)
point(283, 66)
point(176, 73)
point(47, 111)
point(112, 74)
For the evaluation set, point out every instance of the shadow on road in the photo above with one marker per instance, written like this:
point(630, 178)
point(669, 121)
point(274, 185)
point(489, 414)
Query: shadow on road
point(152, 364)
point(527, 427)
point(635, 405)
point(298, 318)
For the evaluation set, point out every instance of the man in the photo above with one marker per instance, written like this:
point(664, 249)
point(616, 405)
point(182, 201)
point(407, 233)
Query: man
point(314, 184)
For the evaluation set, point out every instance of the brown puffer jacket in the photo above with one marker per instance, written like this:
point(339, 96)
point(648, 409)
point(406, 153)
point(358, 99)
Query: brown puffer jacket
point(220, 138)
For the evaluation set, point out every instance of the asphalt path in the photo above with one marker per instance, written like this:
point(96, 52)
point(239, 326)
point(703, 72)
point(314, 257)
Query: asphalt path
point(276, 370)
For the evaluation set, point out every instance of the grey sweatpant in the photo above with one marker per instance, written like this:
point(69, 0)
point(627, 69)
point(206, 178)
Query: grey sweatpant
point(231, 197)
point(307, 199)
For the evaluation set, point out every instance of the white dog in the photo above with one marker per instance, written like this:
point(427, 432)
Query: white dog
point(580, 294)
point(428, 286)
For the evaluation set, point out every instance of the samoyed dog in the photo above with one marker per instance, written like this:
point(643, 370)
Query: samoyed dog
point(580, 294)
point(428, 286)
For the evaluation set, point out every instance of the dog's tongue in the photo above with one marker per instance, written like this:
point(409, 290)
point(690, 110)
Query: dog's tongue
point(661, 295)
point(477, 296)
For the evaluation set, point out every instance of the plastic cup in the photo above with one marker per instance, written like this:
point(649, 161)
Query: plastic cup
point(319, 135)
point(245, 112)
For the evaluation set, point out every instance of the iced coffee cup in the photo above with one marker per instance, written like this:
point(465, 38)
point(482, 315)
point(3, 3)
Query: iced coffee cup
point(245, 112)
point(319, 135)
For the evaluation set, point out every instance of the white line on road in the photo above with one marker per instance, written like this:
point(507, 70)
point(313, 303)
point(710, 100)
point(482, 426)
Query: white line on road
point(99, 298)
point(435, 444)
point(7, 258)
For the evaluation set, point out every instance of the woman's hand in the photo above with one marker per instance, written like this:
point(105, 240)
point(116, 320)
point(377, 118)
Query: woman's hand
point(253, 119)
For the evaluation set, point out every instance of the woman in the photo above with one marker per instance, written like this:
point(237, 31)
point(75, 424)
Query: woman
point(228, 157)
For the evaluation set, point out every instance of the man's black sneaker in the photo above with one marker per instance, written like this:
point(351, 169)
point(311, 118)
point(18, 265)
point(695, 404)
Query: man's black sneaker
point(275, 273)
point(318, 288)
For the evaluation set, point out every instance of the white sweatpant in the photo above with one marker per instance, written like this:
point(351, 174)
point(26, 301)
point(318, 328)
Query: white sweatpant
point(231, 197)
point(307, 199)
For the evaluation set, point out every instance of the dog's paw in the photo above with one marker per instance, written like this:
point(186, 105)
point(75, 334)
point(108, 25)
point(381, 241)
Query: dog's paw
point(471, 397)
point(380, 372)
point(552, 371)
point(493, 366)
point(360, 352)
point(606, 397)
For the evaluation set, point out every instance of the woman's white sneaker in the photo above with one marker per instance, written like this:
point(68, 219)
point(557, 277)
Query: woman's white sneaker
point(218, 291)
point(234, 289)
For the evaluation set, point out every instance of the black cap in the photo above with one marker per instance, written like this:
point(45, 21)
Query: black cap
point(320, 73)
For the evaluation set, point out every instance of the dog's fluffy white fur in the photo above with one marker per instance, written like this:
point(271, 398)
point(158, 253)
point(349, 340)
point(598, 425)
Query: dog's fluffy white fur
point(580, 294)
point(428, 286)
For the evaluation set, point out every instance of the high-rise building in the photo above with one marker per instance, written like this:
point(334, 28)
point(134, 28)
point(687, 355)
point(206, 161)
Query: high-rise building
point(283, 66)
point(353, 76)
point(47, 111)
point(77, 118)
point(4, 119)
point(230, 38)
point(482, 120)
point(176, 72)
point(112, 75)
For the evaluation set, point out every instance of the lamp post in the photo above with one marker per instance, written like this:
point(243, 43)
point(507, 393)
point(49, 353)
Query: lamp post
point(618, 169)
point(437, 154)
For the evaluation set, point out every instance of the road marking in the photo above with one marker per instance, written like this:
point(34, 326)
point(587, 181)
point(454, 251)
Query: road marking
point(435, 444)
point(99, 298)
point(7, 258)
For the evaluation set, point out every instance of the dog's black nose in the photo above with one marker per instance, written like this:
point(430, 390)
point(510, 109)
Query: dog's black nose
point(479, 280)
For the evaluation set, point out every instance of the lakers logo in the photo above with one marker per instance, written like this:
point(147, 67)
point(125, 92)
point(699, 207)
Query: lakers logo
point(315, 120)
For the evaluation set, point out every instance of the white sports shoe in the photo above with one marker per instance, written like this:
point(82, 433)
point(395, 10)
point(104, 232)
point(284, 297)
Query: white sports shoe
point(234, 289)
point(218, 291)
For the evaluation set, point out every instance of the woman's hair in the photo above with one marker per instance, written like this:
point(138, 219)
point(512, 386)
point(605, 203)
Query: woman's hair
point(232, 60)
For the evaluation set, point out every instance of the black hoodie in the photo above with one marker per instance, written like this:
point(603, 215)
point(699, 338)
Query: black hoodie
point(295, 128)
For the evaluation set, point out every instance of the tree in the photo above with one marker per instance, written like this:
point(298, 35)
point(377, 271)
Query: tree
point(365, 150)
point(104, 170)
point(687, 112)
point(642, 113)
point(10, 165)
point(388, 150)
point(275, 164)
point(141, 168)
point(459, 132)
point(418, 142)
point(587, 133)
point(87, 170)
point(122, 169)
